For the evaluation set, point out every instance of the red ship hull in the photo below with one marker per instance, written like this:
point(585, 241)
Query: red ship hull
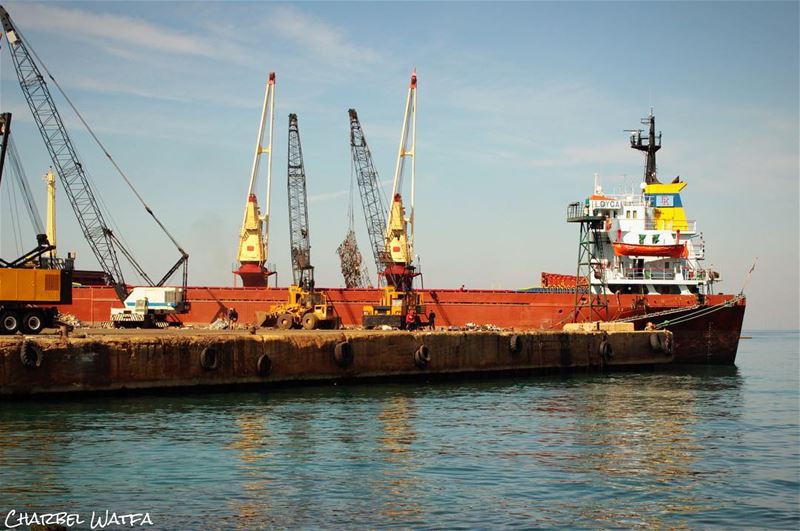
point(709, 336)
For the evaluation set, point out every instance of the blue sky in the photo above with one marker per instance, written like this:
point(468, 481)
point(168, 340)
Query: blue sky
point(519, 104)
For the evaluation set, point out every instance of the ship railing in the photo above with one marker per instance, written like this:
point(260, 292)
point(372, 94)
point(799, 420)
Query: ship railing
point(578, 212)
point(648, 273)
point(656, 273)
point(683, 225)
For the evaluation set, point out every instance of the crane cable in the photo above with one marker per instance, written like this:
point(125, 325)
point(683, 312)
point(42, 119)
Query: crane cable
point(711, 309)
point(350, 210)
point(16, 230)
point(99, 143)
point(704, 311)
point(22, 181)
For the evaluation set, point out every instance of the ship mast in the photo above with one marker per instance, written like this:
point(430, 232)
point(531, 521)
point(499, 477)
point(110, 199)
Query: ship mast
point(649, 144)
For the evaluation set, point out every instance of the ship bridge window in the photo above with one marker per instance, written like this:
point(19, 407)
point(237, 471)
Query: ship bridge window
point(628, 214)
point(634, 214)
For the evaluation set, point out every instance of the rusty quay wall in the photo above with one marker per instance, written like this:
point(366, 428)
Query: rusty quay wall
point(183, 359)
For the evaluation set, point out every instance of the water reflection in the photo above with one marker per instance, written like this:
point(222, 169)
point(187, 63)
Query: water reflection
point(37, 447)
point(396, 444)
point(631, 450)
point(251, 442)
point(641, 435)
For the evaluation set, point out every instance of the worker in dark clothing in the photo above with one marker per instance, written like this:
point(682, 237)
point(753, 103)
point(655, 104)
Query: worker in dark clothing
point(233, 315)
point(432, 320)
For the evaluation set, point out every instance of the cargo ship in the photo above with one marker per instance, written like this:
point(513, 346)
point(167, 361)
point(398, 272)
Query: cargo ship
point(640, 261)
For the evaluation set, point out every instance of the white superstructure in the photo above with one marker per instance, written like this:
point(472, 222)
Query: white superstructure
point(643, 243)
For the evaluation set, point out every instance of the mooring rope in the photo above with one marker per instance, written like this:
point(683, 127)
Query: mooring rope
point(705, 310)
point(701, 312)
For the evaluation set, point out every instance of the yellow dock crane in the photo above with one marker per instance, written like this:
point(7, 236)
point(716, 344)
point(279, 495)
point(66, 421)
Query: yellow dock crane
point(305, 306)
point(392, 240)
point(253, 238)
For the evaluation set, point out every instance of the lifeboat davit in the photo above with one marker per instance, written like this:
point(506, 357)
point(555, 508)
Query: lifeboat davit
point(672, 251)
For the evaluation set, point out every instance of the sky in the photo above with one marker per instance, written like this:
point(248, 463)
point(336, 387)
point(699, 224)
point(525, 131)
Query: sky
point(519, 105)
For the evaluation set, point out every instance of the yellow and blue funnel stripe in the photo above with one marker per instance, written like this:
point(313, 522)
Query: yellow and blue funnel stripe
point(666, 200)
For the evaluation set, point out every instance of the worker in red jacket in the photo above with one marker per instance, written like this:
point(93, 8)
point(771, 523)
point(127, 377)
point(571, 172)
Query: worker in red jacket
point(411, 319)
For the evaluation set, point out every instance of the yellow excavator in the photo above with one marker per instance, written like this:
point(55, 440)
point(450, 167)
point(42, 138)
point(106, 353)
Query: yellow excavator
point(305, 308)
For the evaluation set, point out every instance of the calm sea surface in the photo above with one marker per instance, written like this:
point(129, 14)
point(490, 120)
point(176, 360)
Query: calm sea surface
point(716, 447)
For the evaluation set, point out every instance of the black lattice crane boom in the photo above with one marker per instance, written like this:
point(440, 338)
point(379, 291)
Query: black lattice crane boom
point(302, 270)
point(369, 188)
point(305, 306)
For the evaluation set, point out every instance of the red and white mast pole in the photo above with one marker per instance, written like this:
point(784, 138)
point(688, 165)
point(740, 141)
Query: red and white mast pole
point(254, 236)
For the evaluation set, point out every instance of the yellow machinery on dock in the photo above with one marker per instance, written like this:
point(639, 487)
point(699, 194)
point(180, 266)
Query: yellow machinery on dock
point(393, 308)
point(305, 306)
point(25, 291)
point(30, 283)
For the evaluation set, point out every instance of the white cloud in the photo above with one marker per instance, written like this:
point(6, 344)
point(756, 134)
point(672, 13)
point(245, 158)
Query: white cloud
point(327, 196)
point(321, 39)
point(110, 31)
point(504, 97)
point(191, 95)
point(111, 87)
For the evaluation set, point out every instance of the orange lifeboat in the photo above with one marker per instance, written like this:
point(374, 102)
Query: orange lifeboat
point(672, 251)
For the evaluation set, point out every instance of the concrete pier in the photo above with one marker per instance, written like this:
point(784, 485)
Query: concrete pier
point(109, 360)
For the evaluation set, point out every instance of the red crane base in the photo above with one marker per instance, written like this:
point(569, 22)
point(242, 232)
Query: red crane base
point(253, 275)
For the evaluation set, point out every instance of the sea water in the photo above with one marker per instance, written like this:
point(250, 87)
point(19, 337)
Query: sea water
point(709, 446)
